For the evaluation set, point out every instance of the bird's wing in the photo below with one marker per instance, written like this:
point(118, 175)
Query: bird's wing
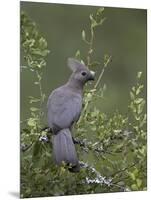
point(64, 108)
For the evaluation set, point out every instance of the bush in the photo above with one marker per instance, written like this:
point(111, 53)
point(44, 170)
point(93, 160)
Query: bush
point(112, 147)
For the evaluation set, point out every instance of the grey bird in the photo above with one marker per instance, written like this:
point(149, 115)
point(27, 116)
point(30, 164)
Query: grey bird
point(63, 110)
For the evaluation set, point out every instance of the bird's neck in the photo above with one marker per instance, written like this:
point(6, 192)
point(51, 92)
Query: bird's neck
point(75, 85)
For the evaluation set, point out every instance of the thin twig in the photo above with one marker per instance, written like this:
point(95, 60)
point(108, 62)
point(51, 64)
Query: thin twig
point(124, 169)
point(41, 92)
point(102, 72)
point(90, 50)
point(95, 87)
point(89, 147)
point(102, 180)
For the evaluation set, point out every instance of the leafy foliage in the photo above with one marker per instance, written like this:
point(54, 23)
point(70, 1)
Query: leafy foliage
point(111, 147)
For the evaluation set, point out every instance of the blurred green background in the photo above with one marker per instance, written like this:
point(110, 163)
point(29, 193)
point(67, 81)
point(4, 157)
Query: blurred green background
point(123, 36)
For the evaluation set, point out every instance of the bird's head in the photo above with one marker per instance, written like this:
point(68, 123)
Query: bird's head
point(81, 72)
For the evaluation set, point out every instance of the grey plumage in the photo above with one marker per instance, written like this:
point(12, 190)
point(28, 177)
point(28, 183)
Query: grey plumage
point(64, 108)
point(66, 151)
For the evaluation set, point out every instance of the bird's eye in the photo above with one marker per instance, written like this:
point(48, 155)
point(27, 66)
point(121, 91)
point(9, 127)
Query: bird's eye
point(83, 73)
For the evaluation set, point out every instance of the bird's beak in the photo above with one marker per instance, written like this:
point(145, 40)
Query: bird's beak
point(92, 75)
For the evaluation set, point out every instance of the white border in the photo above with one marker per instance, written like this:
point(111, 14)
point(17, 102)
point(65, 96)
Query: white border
point(9, 98)
point(109, 3)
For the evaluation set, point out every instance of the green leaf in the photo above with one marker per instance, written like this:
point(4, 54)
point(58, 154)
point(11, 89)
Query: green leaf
point(45, 52)
point(82, 62)
point(101, 21)
point(107, 58)
point(139, 100)
point(42, 43)
point(91, 17)
point(135, 172)
point(43, 97)
point(134, 187)
point(139, 89)
point(141, 107)
point(139, 74)
point(39, 77)
point(133, 88)
point(35, 100)
point(93, 21)
point(77, 54)
point(40, 52)
point(90, 51)
point(31, 122)
point(89, 97)
point(83, 35)
point(132, 175)
point(139, 182)
point(132, 95)
point(33, 109)
point(100, 11)
point(36, 83)
point(143, 121)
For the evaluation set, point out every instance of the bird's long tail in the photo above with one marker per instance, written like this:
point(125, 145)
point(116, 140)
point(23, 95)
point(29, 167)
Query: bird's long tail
point(64, 150)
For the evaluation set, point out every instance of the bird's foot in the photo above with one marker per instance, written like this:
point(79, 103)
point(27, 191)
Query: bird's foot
point(77, 141)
